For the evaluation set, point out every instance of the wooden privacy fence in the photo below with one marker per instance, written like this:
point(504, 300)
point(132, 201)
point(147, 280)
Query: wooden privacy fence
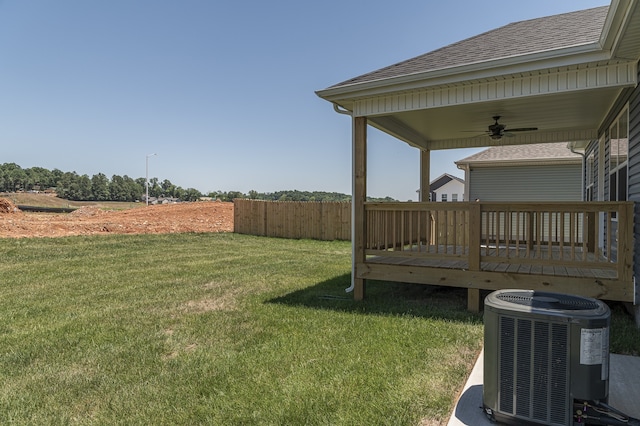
point(293, 219)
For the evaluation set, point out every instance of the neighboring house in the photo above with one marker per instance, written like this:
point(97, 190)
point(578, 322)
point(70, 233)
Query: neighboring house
point(447, 188)
point(571, 78)
point(534, 172)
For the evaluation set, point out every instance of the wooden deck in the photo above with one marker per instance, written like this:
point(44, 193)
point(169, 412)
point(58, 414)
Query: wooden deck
point(525, 262)
point(577, 248)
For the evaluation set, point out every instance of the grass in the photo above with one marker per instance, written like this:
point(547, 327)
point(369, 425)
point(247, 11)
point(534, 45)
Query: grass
point(223, 329)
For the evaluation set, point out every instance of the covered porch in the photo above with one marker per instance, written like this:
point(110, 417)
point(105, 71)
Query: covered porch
point(509, 86)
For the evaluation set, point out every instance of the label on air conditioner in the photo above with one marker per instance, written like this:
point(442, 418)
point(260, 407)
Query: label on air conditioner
point(594, 349)
point(593, 344)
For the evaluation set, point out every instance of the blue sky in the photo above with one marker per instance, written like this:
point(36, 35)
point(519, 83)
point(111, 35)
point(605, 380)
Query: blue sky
point(221, 90)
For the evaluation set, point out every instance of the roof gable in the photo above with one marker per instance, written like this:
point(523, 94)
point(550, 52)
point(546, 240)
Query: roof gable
point(550, 33)
point(443, 180)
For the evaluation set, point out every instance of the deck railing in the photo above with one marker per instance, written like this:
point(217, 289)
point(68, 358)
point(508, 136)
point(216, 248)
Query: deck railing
point(559, 234)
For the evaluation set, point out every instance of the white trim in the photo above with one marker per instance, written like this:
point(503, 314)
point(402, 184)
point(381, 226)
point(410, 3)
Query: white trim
point(616, 24)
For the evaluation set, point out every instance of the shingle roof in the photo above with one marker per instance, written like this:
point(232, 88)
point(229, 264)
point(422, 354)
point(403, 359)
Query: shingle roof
point(515, 39)
point(517, 153)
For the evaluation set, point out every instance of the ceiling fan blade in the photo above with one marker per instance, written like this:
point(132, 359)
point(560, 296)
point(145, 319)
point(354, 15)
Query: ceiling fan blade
point(522, 129)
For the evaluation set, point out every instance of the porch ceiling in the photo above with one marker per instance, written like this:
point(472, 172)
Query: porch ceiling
point(559, 117)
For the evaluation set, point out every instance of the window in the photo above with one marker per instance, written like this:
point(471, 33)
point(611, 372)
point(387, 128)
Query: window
point(454, 197)
point(618, 153)
point(443, 197)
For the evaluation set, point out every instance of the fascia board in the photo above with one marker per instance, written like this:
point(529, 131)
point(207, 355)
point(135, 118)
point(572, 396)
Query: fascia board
point(572, 56)
point(615, 23)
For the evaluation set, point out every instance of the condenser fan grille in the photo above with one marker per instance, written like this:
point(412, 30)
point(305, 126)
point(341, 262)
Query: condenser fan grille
point(542, 300)
point(532, 361)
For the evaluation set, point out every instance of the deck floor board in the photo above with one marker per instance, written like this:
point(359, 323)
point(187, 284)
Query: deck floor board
point(517, 264)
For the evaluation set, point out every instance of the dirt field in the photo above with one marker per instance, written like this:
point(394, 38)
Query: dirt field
point(91, 220)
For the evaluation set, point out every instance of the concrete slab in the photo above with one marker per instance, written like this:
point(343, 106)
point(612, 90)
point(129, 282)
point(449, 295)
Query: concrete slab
point(624, 391)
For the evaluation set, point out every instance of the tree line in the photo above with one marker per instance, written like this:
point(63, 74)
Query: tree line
point(99, 187)
point(72, 186)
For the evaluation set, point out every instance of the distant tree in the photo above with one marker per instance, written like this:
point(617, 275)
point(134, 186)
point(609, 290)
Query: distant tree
point(216, 195)
point(253, 195)
point(83, 188)
point(142, 182)
point(155, 190)
point(39, 178)
point(73, 187)
point(56, 175)
point(179, 193)
point(100, 187)
point(132, 188)
point(234, 194)
point(118, 189)
point(14, 177)
point(191, 194)
point(168, 189)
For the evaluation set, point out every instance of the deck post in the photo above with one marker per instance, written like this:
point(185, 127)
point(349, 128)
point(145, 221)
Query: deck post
point(359, 195)
point(425, 167)
point(625, 241)
point(473, 300)
point(475, 236)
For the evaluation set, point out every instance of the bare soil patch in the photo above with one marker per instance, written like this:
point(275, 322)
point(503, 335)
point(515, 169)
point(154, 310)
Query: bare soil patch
point(92, 220)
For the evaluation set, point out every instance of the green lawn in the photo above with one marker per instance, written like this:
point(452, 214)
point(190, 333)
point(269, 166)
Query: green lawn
point(223, 329)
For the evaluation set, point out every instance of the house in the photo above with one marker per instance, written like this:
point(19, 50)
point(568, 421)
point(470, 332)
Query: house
point(446, 188)
point(570, 78)
point(533, 172)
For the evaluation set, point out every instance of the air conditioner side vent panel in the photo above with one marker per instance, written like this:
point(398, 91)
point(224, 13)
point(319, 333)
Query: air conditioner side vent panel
point(533, 362)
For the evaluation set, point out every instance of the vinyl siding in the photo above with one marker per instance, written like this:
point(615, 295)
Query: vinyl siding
point(527, 183)
point(634, 178)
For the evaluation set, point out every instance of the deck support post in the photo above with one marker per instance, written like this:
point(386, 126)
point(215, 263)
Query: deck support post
point(425, 167)
point(625, 245)
point(475, 237)
point(473, 300)
point(358, 198)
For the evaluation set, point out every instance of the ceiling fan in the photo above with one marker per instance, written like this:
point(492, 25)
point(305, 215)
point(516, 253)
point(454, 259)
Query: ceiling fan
point(497, 131)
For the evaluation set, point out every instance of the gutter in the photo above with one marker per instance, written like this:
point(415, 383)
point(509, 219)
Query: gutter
point(467, 177)
point(572, 148)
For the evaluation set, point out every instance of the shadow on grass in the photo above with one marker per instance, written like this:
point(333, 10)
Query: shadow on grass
point(385, 298)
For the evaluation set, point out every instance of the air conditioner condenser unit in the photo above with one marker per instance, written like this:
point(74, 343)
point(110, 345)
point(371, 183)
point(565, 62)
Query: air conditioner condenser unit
point(543, 353)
